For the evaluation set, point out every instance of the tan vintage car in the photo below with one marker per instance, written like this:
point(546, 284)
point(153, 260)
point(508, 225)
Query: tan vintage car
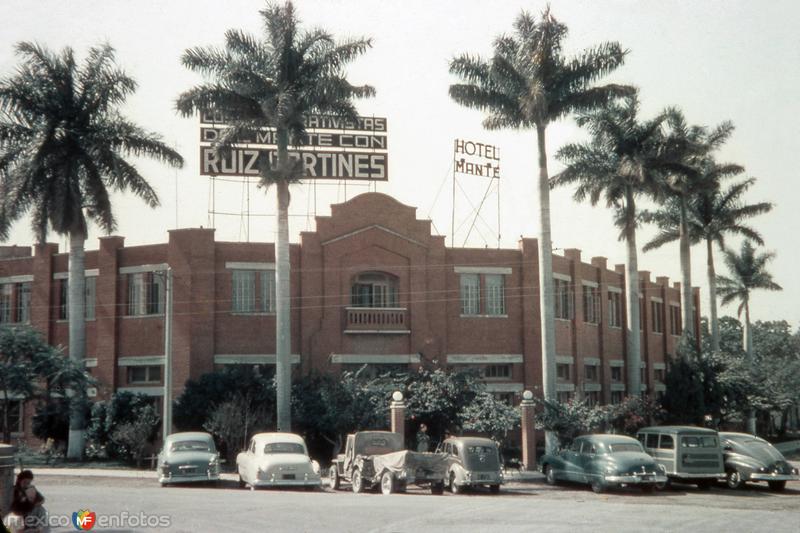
point(277, 460)
point(472, 462)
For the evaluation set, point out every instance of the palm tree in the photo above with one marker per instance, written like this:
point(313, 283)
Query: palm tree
point(276, 82)
point(63, 148)
point(748, 273)
point(712, 214)
point(617, 166)
point(685, 153)
point(528, 83)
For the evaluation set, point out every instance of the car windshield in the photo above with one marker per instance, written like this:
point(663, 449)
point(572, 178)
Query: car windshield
point(699, 442)
point(479, 450)
point(190, 446)
point(618, 447)
point(284, 447)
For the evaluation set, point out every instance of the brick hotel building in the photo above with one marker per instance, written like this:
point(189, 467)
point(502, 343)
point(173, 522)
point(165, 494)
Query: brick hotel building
point(370, 286)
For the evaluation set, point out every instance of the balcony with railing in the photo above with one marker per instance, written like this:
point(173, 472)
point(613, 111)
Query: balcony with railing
point(380, 320)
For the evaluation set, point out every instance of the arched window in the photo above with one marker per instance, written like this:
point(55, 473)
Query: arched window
point(374, 289)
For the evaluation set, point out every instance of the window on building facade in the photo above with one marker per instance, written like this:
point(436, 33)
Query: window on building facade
point(505, 397)
point(563, 299)
point(374, 289)
point(496, 371)
point(563, 396)
point(674, 320)
point(243, 293)
point(562, 371)
point(658, 375)
point(146, 293)
point(617, 397)
point(15, 416)
point(22, 313)
point(6, 293)
point(591, 372)
point(657, 309)
point(495, 294)
point(616, 373)
point(615, 309)
point(144, 374)
point(591, 304)
point(90, 297)
point(470, 294)
point(592, 397)
point(267, 291)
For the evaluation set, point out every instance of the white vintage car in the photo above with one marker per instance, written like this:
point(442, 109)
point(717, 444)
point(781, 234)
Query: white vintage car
point(277, 459)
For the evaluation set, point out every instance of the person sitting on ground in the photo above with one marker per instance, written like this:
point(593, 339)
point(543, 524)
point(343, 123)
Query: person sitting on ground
point(27, 503)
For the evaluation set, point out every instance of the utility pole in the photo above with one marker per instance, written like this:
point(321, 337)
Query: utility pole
point(167, 416)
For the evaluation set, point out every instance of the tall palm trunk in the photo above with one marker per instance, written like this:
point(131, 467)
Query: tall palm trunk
point(633, 344)
point(748, 348)
point(283, 333)
point(546, 299)
point(712, 295)
point(687, 322)
point(77, 339)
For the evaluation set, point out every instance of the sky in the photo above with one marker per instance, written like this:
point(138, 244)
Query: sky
point(715, 60)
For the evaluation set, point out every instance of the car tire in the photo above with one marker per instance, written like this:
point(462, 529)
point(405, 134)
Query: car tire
point(437, 488)
point(241, 482)
point(333, 477)
point(455, 488)
point(387, 484)
point(357, 482)
point(550, 475)
point(777, 486)
point(494, 489)
point(733, 479)
point(598, 486)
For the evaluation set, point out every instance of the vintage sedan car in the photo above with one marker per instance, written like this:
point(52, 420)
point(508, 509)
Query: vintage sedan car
point(187, 458)
point(604, 461)
point(472, 462)
point(277, 460)
point(749, 458)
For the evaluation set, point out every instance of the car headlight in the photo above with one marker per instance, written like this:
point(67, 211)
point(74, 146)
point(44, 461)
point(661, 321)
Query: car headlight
point(762, 469)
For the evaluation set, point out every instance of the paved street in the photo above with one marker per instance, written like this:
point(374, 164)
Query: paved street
point(520, 507)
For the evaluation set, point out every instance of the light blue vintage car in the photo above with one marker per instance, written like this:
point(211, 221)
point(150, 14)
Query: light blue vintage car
point(604, 461)
point(188, 458)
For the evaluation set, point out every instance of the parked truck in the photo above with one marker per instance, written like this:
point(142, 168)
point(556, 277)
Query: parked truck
point(379, 459)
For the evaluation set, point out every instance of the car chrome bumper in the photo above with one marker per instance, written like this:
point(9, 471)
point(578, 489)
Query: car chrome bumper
point(685, 475)
point(313, 482)
point(194, 478)
point(633, 480)
point(758, 476)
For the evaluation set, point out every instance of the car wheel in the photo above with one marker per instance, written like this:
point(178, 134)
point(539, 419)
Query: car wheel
point(357, 482)
point(494, 489)
point(550, 475)
point(387, 483)
point(734, 479)
point(241, 482)
point(598, 486)
point(455, 488)
point(437, 488)
point(664, 485)
point(333, 477)
point(777, 486)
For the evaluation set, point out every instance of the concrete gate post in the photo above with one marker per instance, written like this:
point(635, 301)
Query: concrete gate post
point(6, 477)
point(397, 408)
point(526, 408)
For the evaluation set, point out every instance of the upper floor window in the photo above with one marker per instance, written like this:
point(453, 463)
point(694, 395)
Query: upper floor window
point(6, 294)
point(374, 289)
point(591, 372)
point(616, 373)
point(470, 294)
point(592, 398)
point(675, 320)
point(616, 397)
point(243, 291)
point(614, 309)
point(90, 295)
point(563, 299)
point(144, 374)
point(495, 294)
point(146, 293)
point(591, 304)
point(658, 316)
point(22, 314)
point(497, 371)
point(562, 371)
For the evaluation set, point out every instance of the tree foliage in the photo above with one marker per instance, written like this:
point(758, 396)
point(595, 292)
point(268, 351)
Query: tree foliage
point(120, 426)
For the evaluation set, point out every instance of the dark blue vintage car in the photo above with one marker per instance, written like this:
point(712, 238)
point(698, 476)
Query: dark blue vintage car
point(749, 458)
point(604, 461)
